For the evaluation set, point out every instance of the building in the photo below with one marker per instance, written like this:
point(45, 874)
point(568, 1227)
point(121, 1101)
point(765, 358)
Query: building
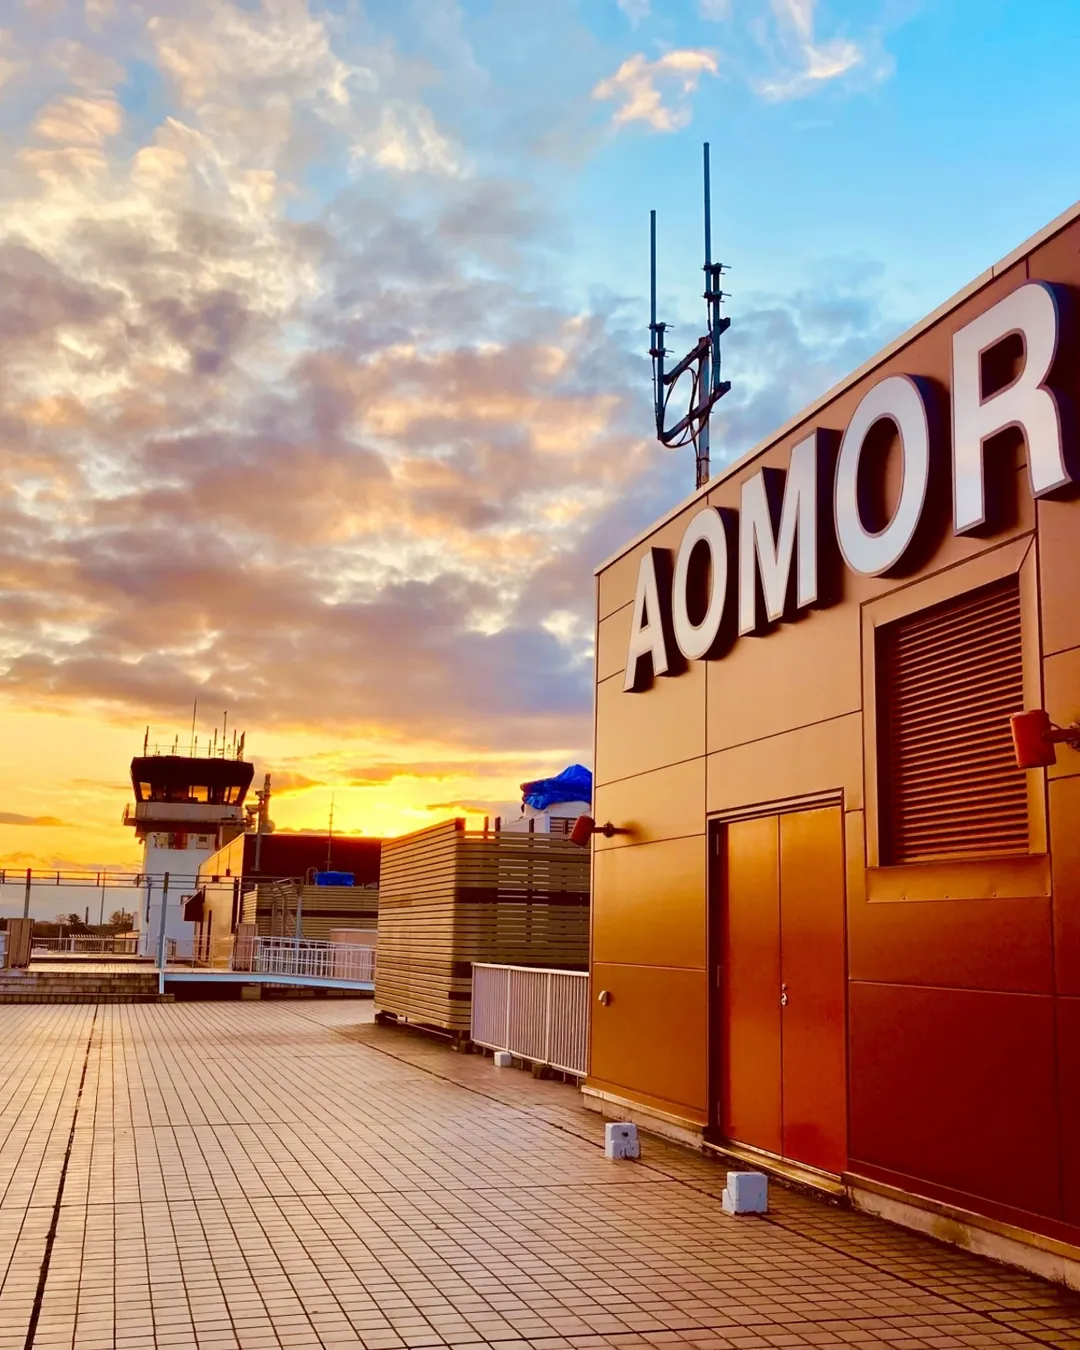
point(552, 805)
point(186, 808)
point(841, 934)
point(285, 890)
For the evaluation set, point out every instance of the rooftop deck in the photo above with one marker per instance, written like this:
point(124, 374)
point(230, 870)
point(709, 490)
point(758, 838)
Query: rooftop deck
point(288, 1174)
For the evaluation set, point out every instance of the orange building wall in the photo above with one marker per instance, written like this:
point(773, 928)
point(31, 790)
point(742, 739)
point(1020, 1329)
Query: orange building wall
point(967, 991)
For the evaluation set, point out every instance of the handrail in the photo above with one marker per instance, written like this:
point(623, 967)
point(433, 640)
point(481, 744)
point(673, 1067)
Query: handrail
point(536, 1013)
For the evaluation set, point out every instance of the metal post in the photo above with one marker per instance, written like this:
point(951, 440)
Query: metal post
point(701, 442)
point(547, 1020)
point(161, 935)
point(298, 929)
point(26, 900)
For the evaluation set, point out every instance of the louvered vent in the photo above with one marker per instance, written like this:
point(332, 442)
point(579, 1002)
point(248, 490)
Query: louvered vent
point(949, 677)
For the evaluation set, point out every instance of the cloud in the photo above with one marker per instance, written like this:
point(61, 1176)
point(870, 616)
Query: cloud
point(322, 438)
point(799, 62)
point(79, 121)
point(635, 86)
point(13, 818)
point(635, 10)
point(284, 781)
point(474, 807)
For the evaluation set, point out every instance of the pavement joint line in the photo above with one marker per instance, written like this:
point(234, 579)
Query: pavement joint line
point(50, 1237)
point(690, 1185)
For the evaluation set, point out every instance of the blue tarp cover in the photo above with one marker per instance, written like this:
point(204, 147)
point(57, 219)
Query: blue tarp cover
point(335, 878)
point(572, 785)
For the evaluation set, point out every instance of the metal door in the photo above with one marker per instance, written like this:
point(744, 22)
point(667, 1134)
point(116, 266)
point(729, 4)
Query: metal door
point(780, 995)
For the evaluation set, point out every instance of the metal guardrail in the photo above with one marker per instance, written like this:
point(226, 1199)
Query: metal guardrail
point(313, 957)
point(538, 1015)
point(87, 944)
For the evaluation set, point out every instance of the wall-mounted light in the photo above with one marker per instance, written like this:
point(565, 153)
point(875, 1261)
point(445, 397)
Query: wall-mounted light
point(1035, 736)
point(585, 827)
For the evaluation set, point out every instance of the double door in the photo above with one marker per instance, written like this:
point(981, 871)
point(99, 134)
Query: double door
point(779, 1014)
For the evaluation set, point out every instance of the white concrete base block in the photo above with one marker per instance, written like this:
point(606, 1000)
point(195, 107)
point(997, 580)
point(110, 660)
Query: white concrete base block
point(504, 1059)
point(746, 1193)
point(621, 1140)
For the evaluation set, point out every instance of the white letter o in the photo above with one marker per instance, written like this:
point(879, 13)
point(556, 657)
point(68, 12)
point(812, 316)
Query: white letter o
point(870, 552)
point(696, 640)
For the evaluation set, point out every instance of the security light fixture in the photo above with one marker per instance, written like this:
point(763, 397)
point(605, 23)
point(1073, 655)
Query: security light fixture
point(585, 827)
point(1035, 736)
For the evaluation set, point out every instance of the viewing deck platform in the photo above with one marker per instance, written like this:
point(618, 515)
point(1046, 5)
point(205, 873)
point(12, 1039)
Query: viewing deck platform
point(248, 1176)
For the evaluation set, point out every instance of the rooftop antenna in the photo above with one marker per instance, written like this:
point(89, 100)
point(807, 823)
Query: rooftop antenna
point(703, 360)
point(330, 834)
point(146, 742)
point(194, 710)
point(224, 734)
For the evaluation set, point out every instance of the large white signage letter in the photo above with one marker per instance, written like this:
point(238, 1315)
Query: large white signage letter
point(903, 401)
point(648, 653)
point(767, 551)
point(1032, 312)
point(698, 640)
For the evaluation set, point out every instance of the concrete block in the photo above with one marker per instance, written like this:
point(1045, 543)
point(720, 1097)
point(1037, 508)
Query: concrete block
point(746, 1193)
point(504, 1059)
point(251, 991)
point(621, 1140)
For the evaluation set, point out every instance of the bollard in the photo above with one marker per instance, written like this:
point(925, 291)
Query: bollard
point(621, 1140)
point(746, 1193)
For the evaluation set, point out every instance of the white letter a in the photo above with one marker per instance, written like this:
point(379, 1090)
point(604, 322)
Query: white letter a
point(650, 629)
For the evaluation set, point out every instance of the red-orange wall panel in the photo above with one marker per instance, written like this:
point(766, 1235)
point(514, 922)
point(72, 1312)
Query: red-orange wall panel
point(958, 1088)
point(966, 944)
point(652, 1038)
point(1068, 1012)
point(1065, 855)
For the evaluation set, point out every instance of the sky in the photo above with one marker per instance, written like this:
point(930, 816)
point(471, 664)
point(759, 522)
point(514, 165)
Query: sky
point(323, 334)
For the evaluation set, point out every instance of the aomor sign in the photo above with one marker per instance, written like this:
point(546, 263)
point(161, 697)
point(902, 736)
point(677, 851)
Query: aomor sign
point(775, 539)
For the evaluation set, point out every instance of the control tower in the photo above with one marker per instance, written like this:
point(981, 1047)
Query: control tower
point(186, 808)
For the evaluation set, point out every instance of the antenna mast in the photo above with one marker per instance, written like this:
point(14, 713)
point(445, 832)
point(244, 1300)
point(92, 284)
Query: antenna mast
point(703, 361)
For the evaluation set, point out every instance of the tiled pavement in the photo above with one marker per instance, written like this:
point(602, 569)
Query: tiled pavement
point(288, 1174)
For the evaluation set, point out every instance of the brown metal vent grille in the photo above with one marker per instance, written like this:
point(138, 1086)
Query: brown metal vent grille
point(949, 679)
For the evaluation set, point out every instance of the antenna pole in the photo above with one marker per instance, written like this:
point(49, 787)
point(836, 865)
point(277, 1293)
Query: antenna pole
point(194, 710)
point(330, 833)
point(656, 333)
point(652, 270)
point(703, 361)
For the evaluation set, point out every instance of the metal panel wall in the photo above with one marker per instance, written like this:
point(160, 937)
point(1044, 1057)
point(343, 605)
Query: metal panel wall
point(963, 975)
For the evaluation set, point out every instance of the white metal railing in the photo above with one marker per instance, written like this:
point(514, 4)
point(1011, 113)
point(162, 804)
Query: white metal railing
point(86, 943)
point(314, 958)
point(539, 1015)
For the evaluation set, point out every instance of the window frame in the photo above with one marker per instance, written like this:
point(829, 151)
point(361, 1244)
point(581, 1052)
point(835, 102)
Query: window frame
point(974, 878)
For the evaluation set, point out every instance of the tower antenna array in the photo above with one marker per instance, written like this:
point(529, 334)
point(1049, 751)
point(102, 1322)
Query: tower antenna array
point(703, 360)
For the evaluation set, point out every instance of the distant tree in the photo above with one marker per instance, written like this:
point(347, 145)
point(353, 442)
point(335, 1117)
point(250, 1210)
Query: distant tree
point(121, 918)
point(75, 922)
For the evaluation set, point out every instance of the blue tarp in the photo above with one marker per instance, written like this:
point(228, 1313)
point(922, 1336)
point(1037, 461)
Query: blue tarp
point(572, 785)
point(335, 878)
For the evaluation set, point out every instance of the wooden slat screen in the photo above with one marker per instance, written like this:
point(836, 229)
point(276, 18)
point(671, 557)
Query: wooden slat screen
point(949, 677)
point(448, 898)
